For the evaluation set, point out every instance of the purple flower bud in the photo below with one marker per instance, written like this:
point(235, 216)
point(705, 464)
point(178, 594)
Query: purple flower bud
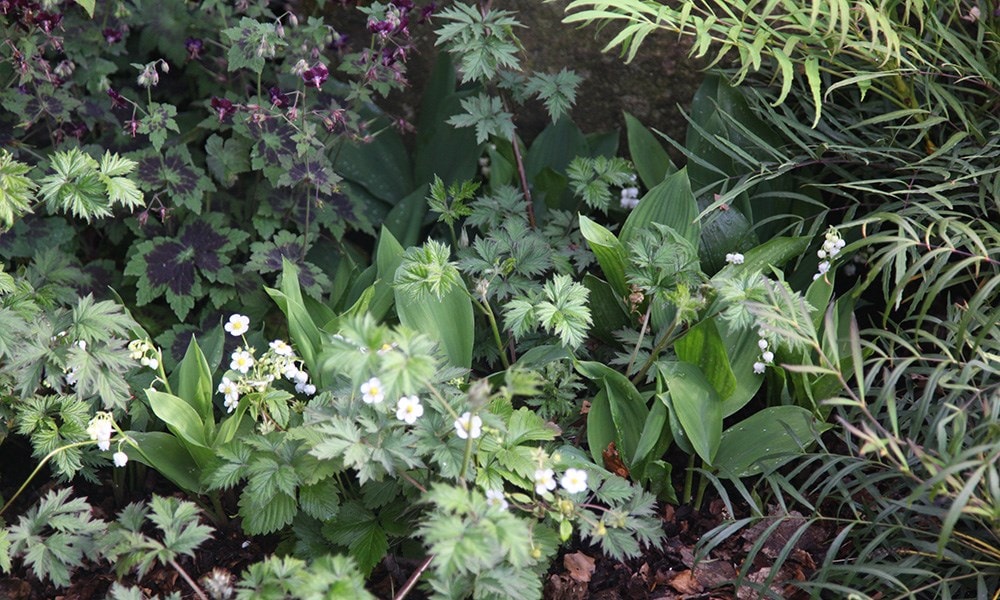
point(277, 97)
point(117, 100)
point(316, 75)
point(48, 21)
point(339, 42)
point(194, 47)
point(222, 107)
point(426, 12)
point(112, 35)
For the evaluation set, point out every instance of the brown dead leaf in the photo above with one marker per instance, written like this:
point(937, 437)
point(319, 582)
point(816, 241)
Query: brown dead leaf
point(579, 565)
point(685, 583)
point(714, 573)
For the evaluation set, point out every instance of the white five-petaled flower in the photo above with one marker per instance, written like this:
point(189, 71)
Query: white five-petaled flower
point(281, 348)
point(496, 498)
point(372, 392)
point(735, 258)
point(409, 409)
point(545, 480)
point(232, 393)
point(238, 325)
point(100, 429)
point(468, 426)
point(758, 367)
point(120, 458)
point(574, 481)
point(242, 361)
point(767, 356)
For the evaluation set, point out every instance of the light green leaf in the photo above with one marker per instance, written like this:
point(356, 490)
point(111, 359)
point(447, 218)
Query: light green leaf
point(759, 441)
point(179, 417)
point(651, 161)
point(628, 409)
point(697, 406)
point(194, 383)
point(670, 203)
point(610, 253)
point(88, 5)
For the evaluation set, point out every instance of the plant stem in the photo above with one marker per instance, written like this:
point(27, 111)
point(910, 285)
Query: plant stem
point(524, 182)
point(485, 308)
point(642, 334)
point(664, 340)
point(688, 481)
point(194, 586)
point(38, 468)
point(702, 485)
point(414, 577)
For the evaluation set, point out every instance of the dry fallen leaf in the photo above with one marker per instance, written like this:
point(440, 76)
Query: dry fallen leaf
point(685, 583)
point(579, 565)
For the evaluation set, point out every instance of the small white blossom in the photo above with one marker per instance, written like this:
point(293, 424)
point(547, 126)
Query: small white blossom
point(309, 389)
point(545, 480)
point(762, 344)
point(574, 481)
point(231, 392)
point(385, 349)
point(281, 348)
point(100, 429)
point(71, 376)
point(290, 372)
point(496, 498)
point(409, 409)
point(238, 325)
point(630, 198)
point(468, 426)
point(120, 458)
point(82, 345)
point(302, 377)
point(242, 361)
point(372, 392)
point(759, 367)
point(767, 356)
point(735, 258)
point(148, 361)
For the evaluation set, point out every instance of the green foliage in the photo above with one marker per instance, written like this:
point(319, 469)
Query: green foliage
point(482, 40)
point(593, 178)
point(487, 115)
point(181, 534)
point(17, 191)
point(280, 578)
point(55, 537)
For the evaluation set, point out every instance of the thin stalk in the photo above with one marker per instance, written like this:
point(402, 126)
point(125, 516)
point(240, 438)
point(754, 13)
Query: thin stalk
point(522, 175)
point(486, 310)
point(194, 586)
point(642, 334)
point(38, 468)
point(414, 577)
point(702, 485)
point(688, 480)
point(664, 340)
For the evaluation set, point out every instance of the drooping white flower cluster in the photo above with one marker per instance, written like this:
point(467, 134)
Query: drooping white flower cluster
point(766, 356)
point(573, 481)
point(249, 374)
point(100, 429)
point(145, 353)
point(735, 258)
point(630, 197)
point(831, 248)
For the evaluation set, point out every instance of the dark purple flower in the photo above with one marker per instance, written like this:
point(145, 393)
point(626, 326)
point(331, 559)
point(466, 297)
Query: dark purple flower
point(277, 97)
point(194, 46)
point(316, 75)
point(382, 28)
point(117, 100)
point(426, 12)
point(48, 21)
point(339, 42)
point(112, 35)
point(222, 107)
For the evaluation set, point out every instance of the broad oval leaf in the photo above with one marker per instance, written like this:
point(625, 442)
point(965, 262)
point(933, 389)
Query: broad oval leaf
point(670, 203)
point(609, 251)
point(766, 439)
point(696, 405)
point(650, 159)
point(179, 417)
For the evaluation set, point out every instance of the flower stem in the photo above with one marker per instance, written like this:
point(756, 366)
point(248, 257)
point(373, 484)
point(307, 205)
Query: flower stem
point(414, 577)
point(39, 468)
point(184, 575)
point(485, 308)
